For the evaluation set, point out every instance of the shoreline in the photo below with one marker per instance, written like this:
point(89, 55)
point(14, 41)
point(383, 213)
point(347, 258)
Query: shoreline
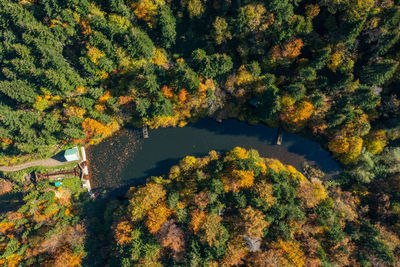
point(168, 143)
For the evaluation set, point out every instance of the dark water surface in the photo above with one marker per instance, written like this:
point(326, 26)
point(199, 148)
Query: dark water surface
point(127, 159)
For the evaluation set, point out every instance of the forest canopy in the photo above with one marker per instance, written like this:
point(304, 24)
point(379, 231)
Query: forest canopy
point(77, 71)
point(239, 209)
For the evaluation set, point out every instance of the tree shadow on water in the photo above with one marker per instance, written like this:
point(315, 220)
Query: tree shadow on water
point(296, 144)
point(236, 127)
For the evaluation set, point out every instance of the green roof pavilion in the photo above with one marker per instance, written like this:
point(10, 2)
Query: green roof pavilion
point(71, 154)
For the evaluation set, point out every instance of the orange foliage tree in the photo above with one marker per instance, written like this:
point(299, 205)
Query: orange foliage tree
point(157, 216)
point(236, 251)
point(167, 91)
point(312, 11)
point(290, 50)
point(297, 114)
point(68, 259)
point(122, 233)
point(183, 95)
point(198, 218)
point(94, 128)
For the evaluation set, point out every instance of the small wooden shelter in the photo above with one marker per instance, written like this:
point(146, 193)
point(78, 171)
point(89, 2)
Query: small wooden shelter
point(71, 154)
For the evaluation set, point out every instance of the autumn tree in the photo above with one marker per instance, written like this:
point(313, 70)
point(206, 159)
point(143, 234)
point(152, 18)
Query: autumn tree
point(296, 115)
point(212, 231)
point(171, 236)
point(122, 233)
point(145, 199)
point(375, 141)
point(235, 253)
point(221, 32)
point(157, 216)
point(254, 222)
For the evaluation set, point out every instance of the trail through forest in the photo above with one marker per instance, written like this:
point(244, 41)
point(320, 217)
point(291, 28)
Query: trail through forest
point(49, 162)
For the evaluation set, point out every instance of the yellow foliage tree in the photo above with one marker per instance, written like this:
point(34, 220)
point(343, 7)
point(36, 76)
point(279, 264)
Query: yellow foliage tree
point(312, 192)
point(337, 57)
point(244, 178)
point(287, 100)
point(121, 21)
point(160, 57)
point(221, 31)
point(339, 145)
point(195, 8)
point(157, 216)
point(253, 222)
point(94, 54)
point(237, 153)
point(212, 230)
point(147, 9)
point(254, 15)
point(354, 151)
point(144, 199)
point(375, 141)
point(12, 260)
point(235, 253)
point(243, 76)
point(75, 111)
point(265, 191)
point(187, 163)
point(347, 148)
point(292, 252)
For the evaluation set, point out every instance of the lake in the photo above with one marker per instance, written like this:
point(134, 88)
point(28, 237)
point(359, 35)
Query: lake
point(127, 159)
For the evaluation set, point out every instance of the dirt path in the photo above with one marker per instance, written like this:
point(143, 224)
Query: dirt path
point(50, 162)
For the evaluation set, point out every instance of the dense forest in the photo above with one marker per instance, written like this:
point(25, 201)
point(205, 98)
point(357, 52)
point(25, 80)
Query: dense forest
point(229, 209)
point(42, 225)
point(242, 209)
point(76, 71)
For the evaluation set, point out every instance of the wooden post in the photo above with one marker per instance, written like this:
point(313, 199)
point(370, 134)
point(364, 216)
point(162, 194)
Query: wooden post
point(145, 132)
point(279, 137)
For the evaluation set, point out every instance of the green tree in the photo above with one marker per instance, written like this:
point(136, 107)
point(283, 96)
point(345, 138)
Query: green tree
point(167, 22)
point(378, 73)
